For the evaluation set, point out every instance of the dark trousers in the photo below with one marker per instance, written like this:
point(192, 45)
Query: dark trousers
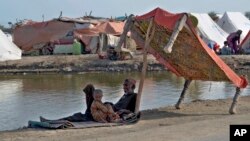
point(78, 117)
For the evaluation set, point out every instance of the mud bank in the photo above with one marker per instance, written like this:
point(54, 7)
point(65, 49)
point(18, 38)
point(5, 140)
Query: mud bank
point(91, 62)
point(200, 120)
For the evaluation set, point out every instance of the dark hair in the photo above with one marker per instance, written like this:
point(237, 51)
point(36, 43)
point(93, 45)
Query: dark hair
point(239, 31)
point(89, 90)
point(129, 81)
point(133, 86)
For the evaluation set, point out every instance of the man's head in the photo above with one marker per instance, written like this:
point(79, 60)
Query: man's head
point(98, 95)
point(225, 43)
point(129, 85)
point(239, 32)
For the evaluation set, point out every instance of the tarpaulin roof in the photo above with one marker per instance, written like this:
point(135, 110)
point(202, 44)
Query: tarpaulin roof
point(113, 28)
point(190, 58)
point(28, 35)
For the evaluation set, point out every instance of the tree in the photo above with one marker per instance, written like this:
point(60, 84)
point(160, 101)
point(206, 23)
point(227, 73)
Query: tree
point(247, 14)
point(2, 27)
point(213, 15)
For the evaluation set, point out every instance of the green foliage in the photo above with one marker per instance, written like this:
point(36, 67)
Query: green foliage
point(213, 15)
point(194, 20)
point(247, 14)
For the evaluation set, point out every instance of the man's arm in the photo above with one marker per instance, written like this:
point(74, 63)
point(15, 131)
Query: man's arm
point(238, 40)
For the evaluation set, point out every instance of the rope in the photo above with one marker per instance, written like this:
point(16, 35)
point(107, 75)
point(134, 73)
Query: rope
point(210, 86)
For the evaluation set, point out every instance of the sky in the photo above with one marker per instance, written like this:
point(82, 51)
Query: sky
point(14, 10)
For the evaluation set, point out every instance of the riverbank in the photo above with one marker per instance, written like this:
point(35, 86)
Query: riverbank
point(75, 63)
point(91, 62)
point(205, 120)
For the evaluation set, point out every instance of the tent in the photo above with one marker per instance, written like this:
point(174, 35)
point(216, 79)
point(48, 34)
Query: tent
point(9, 51)
point(233, 21)
point(209, 30)
point(172, 39)
point(245, 44)
point(113, 28)
point(28, 35)
point(104, 33)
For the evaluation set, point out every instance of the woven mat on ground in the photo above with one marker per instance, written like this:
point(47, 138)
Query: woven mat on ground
point(63, 124)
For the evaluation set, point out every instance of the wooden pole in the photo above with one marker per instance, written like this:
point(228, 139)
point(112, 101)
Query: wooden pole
point(148, 39)
point(186, 85)
point(177, 29)
point(101, 43)
point(126, 28)
point(232, 109)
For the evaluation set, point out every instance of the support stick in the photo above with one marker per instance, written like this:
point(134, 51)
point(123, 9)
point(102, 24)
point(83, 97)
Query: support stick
point(144, 68)
point(177, 29)
point(232, 109)
point(186, 85)
point(123, 36)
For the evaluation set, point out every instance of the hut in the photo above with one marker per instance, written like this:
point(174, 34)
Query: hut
point(172, 39)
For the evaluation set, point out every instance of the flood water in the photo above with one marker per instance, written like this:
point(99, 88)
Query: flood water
point(26, 97)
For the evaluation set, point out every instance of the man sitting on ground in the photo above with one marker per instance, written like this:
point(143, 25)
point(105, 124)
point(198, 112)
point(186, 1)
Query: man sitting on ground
point(125, 105)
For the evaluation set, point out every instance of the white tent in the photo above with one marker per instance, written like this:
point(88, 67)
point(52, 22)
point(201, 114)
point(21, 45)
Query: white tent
point(233, 21)
point(209, 30)
point(245, 44)
point(8, 50)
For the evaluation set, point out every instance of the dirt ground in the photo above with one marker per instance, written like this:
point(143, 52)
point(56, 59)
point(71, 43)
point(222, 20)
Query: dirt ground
point(200, 120)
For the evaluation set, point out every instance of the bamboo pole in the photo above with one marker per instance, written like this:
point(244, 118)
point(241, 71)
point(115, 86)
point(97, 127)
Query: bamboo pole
point(186, 85)
point(126, 28)
point(232, 109)
point(101, 43)
point(149, 37)
point(178, 27)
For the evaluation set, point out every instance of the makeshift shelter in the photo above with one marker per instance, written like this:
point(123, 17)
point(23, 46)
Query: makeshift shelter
point(233, 21)
point(35, 35)
point(113, 28)
point(209, 30)
point(245, 44)
point(179, 49)
point(103, 35)
point(28, 35)
point(99, 36)
point(8, 50)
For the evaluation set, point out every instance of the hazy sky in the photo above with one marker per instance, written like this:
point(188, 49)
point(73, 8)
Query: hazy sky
point(12, 10)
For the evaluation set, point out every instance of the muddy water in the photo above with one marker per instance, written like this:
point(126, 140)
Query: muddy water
point(26, 97)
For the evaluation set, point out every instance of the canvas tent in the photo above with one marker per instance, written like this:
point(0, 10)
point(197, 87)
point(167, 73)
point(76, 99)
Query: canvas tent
point(104, 34)
point(233, 21)
point(245, 44)
point(209, 30)
point(8, 50)
point(58, 31)
point(181, 50)
point(112, 28)
point(28, 35)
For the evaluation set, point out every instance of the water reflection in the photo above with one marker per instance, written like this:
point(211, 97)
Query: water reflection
point(26, 97)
